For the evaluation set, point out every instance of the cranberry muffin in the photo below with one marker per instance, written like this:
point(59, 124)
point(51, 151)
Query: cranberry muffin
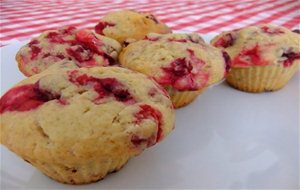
point(128, 24)
point(84, 47)
point(77, 125)
point(263, 57)
point(182, 63)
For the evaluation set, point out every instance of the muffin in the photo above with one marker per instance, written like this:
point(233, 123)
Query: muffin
point(128, 24)
point(77, 125)
point(182, 63)
point(84, 47)
point(263, 57)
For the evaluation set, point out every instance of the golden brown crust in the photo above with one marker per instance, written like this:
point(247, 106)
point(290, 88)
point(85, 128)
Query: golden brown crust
point(128, 24)
point(21, 64)
point(84, 129)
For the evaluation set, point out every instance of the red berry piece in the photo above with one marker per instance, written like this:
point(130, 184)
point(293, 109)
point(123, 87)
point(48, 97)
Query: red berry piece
point(25, 98)
point(226, 41)
point(103, 86)
point(80, 53)
point(290, 58)
point(249, 57)
point(35, 50)
point(296, 31)
point(184, 74)
point(227, 62)
point(56, 37)
point(148, 112)
point(101, 26)
point(272, 30)
point(33, 42)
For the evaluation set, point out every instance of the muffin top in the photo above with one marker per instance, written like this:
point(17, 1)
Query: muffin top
point(81, 46)
point(75, 114)
point(182, 61)
point(260, 45)
point(129, 24)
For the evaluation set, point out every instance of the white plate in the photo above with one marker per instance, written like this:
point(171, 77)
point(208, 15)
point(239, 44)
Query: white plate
point(225, 139)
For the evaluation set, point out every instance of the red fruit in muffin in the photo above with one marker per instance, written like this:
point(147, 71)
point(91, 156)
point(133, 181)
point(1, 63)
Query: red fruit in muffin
point(272, 30)
point(227, 62)
point(103, 86)
point(101, 25)
point(56, 37)
point(226, 41)
point(91, 44)
point(248, 57)
point(290, 58)
point(35, 50)
point(296, 31)
point(148, 112)
point(25, 98)
point(185, 74)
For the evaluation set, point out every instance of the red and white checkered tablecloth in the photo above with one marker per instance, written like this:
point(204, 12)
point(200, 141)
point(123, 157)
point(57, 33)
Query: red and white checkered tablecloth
point(22, 19)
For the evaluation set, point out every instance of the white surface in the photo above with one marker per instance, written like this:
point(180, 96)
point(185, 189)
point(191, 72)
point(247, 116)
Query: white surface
point(225, 139)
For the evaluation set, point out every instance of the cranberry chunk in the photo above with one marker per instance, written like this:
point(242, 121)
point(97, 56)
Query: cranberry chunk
point(101, 26)
point(226, 41)
point(91, 44)
point(35, 51)
point(148, 112)
point(33, 42)
point(296, 31)
point(227, 62)
point(290, 58)
point(80, 53)
point(105, 87)
point(56, 37)
point(89, 40)
point(248, 57)
point(272, 30)
point(25, 98)
point(184, 74)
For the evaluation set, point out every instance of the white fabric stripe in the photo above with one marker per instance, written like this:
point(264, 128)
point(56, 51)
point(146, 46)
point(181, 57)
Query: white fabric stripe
point(285, 18)
point(66, 22)
point(60, 7)
point(100, 10)
point(231, 16)
point(207, 23)
point(201, 11)
point(255, 18)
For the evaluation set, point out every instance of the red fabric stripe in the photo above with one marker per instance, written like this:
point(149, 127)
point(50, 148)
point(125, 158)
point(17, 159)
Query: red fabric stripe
point(25, 12)
point(200, 11)
point(50, 19)
point(191, 10)
point(292, 22)
point(242, 17)
point(70, 11)
point(235, 10)
point(38, 30)
point(278, 14)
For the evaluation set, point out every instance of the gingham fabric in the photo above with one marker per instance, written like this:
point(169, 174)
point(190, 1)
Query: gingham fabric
point(24, 19)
